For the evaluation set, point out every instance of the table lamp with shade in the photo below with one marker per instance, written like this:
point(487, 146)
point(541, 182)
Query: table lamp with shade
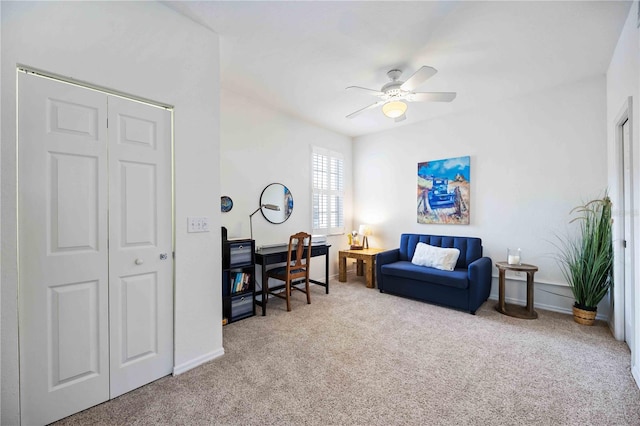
point(365, 231)
point(266, 206)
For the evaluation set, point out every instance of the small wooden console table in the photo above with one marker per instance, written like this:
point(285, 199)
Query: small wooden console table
point(523, 312)
point(365, 263)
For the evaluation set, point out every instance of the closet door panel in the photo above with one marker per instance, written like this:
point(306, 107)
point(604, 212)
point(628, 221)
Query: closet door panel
point(140, 241)
point(63, 258)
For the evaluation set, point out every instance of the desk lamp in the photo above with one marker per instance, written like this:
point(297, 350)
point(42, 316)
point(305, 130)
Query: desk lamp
point(365, 231)
point(266, 206)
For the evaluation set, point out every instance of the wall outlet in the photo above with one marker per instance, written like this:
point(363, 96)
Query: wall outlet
point(197, 224)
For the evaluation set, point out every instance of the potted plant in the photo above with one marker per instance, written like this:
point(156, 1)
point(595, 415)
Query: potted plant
point(586, 260)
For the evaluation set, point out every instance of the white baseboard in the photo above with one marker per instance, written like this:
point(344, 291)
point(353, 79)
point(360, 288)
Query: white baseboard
point(636, 374)
point(189, 365)
point(548, 296)
point(546, 307)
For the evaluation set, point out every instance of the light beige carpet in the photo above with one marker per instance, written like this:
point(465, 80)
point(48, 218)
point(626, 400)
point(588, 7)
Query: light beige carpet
point(357, 356)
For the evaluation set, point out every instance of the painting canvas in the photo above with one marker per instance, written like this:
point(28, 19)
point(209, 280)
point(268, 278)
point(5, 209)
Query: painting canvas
point(444, 191)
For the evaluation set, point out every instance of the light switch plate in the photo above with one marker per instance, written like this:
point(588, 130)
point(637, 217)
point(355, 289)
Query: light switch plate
point(197, 224)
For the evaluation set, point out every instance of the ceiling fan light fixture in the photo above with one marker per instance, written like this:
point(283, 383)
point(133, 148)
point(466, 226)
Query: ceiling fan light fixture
point(394, 109)
point(392, 96)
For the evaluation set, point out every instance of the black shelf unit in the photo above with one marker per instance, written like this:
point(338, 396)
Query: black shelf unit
point(238, 279)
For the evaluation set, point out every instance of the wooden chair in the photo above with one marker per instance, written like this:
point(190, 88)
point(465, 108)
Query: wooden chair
point(296, 269)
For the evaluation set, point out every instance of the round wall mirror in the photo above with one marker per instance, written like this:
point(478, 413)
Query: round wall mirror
point(277, 203)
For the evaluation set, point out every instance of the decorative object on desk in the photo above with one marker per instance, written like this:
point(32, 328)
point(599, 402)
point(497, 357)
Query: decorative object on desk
point(444, 191)
point(365, 231)
point(262, 206)
point(514, 256)
point(586, 260)
point(276, 194)
point(226, 204)
point(318, 240)
point(354, 243)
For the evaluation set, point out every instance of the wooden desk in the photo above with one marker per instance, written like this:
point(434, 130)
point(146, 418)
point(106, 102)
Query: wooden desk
point(364, 257)
point(276, 255)
point(523, 312)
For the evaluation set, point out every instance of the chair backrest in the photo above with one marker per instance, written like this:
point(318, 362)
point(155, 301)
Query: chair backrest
point(298, 243)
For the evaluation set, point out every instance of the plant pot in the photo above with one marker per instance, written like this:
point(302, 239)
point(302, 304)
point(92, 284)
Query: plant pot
point(584, 316)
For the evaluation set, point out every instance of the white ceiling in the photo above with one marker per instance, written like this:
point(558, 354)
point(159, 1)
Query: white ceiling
point(299, 56)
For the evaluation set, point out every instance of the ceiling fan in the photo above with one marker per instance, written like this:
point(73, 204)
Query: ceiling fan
point(394, 94)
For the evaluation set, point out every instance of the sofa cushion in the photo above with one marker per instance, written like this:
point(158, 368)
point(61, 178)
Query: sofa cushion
point(470, 247)
point(435, 257)
point(457, 278)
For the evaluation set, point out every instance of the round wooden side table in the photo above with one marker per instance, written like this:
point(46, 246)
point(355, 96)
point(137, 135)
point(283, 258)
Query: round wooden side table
point(524, 312)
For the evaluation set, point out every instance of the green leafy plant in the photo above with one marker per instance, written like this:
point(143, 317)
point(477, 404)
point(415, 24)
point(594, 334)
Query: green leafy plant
point(586, 260)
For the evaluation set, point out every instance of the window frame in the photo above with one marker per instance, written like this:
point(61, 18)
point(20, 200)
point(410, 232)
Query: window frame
point(334, 175)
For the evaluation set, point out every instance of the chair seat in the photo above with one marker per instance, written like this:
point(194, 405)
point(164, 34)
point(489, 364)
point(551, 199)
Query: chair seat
point(282, 270)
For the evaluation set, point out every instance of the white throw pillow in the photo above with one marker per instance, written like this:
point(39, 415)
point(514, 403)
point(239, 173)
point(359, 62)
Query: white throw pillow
point(435, 257)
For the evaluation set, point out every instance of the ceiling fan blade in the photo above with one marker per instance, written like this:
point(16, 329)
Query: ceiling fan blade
point(371, 91)
point(353, 114)
point(401, 118)
point(418, 78)
point(432, 97)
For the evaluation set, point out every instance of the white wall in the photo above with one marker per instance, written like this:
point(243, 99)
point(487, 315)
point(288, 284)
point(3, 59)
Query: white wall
point(146, 50)
point(0, 220)
point(623, 81)
point(259, 146)
point(533, 158)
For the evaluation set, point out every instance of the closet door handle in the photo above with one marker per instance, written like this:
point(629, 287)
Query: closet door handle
point(139, 261)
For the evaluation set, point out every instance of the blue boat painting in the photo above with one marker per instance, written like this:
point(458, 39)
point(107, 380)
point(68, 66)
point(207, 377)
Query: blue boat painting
point(444, 191)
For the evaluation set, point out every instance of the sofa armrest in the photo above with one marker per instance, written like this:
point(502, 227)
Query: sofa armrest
point(479, 282)
point(384, 258)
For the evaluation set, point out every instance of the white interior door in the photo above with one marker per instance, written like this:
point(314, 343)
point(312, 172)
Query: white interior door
point(96, 298)
point(63, 261)
point(628, 233)
point(140, 259)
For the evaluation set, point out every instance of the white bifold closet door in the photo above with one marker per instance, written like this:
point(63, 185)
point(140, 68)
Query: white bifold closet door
point(95, 241)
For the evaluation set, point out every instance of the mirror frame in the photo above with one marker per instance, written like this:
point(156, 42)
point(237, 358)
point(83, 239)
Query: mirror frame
point(287, 208)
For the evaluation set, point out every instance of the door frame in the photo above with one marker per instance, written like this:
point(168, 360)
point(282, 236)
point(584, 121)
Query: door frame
point(107, 91)
point(617, 322)
point(618, 297)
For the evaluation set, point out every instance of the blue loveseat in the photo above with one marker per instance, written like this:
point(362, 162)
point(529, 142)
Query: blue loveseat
point(467, 287)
